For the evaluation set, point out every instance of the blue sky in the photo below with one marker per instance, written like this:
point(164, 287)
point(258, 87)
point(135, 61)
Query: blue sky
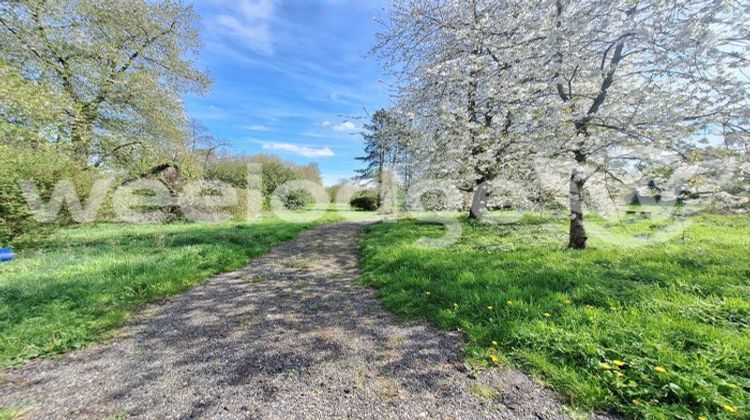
point(291, 77)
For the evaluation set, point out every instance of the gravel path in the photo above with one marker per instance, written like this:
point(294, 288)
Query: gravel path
point(289, 336)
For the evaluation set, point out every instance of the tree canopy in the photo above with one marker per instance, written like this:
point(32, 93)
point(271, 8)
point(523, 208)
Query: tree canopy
point(588, 88)
point(120, 66)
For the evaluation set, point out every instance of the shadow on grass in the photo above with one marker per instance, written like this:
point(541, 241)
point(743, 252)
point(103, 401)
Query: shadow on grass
point(81, 283)
point(274, 346)
point(564, 314)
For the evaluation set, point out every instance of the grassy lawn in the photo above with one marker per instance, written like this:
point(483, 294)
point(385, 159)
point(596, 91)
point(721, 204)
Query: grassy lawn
point(80, 284)
point(656, 331)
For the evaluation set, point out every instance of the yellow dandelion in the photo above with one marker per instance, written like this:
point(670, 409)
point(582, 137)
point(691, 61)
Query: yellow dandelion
point(660, 369)
point(494, 343)
point(729, 409)
point(494, 358)
point(547, 314)
point(489, 307)
point(510, 303)
point(427, 293)
point(605, 366)
point(702, 418)
point(618, 363)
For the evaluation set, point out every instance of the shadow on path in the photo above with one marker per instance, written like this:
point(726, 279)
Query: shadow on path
point(290, 335)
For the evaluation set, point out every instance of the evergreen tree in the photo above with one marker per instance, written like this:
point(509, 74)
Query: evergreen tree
point(385, 138)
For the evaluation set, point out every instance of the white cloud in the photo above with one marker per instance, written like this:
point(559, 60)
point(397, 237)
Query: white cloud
point(314, 134)
point(250, 23)
point(308, 152)
point(210, 113)
point(325, 124)
point(257, 127)
point(345, 126)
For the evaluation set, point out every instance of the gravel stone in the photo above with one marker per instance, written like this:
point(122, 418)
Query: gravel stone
point(289, 336)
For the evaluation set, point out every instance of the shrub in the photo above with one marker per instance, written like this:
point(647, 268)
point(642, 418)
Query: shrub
point(365, 200)
point(45, 166)
point(434, 201)
point(275, 173)
point(296, 199)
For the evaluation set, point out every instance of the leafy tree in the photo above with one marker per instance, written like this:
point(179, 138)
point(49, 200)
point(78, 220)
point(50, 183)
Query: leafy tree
point(385, 138)
point(29, 111)
point(295, 199)
point(275, 171)
point(44, 164)
point(121, 66)
point(309, 172)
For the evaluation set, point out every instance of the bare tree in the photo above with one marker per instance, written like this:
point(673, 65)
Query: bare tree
point(201, 142)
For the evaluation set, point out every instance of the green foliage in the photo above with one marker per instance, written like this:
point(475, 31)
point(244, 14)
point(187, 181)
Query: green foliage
point(44, 165)
point(434, 201)
point(121, 68)
point(275, 172)
point(76, 286)
point(81, 94)
point(296, 199)
point(342, 192)
point(333, 191)
point(29, 110)
point(232, 170)
point(386, 137)
point(658, 332)
point(365, 200)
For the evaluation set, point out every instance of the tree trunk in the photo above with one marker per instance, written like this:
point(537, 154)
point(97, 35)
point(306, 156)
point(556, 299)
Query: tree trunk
point(479, 201)
point(380, 187)
point(577, 237)
point(81, 130)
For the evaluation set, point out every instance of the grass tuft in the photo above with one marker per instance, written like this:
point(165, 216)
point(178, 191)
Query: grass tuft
point(485, 392)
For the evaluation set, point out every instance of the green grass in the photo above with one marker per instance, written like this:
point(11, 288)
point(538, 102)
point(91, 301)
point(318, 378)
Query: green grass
point(78, 285)
point(11, 413)
point(676, 313)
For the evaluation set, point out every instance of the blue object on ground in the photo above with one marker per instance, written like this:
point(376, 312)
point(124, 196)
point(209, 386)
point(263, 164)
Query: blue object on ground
point(6, 255)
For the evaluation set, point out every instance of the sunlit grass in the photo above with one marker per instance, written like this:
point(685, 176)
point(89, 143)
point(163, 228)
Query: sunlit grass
point(78, 285)
point(655, 331)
